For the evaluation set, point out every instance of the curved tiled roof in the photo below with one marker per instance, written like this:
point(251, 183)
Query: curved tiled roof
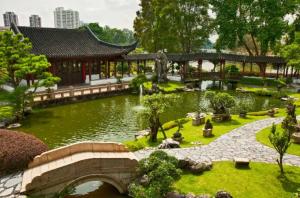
point(70, 43)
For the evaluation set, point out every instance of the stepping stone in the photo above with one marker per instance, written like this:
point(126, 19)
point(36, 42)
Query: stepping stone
point(241, 162)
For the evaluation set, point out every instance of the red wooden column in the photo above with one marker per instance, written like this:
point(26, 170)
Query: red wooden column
point(83, 69)
point(199, 67)
point(90, 71)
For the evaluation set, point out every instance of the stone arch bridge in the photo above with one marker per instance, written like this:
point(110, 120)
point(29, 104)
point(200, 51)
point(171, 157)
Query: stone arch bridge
point(52, 172)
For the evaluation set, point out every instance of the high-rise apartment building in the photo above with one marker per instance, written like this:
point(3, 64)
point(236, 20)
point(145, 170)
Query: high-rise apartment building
point(35, 21)
point(10, 17)
point(68, 19)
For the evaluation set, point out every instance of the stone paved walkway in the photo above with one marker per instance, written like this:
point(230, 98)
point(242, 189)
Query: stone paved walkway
point(240, 142)
point(10, 185)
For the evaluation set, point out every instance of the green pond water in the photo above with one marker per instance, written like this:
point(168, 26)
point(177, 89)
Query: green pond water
point(111, 119)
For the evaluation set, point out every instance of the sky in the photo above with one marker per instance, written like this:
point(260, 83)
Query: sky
point(114, 13)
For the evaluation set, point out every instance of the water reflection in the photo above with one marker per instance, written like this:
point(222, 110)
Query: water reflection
point(95, 189)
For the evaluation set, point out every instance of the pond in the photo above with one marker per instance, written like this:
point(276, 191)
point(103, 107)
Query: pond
point(111, 119)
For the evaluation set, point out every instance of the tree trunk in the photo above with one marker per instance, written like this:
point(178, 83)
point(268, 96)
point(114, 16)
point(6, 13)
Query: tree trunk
point(280, 163)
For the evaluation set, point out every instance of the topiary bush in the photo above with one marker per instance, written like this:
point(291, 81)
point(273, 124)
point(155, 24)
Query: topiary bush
point(17, 149)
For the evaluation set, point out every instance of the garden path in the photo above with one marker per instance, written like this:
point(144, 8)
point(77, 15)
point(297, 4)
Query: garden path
point(240, 142)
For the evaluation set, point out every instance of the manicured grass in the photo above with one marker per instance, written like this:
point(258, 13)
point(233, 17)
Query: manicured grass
point(166, 87)
point(193, 134)
point(263, 137)
point(261, 181)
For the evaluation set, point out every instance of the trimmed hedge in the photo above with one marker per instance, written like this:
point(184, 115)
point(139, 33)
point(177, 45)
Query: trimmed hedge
point(259, 81)
point(173, 123)
point(17, 149)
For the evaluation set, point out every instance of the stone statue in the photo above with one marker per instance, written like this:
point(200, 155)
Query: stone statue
point(161, 66)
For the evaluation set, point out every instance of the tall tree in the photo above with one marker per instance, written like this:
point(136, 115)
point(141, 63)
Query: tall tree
point(112, 35)
point(291, 52)
point(254, 25)
point(17, 63)
point(177, 26)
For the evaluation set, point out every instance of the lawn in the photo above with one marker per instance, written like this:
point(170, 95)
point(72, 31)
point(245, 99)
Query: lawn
point(261, 181)
point(193, 134)
point(166, 87)
point(263, 138)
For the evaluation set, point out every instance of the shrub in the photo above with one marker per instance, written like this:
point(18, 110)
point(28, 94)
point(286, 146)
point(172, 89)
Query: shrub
point(259, 81)
point(137, 82)
point(220, 102)
point(232, 69)
point(156, 175)
point(173, 123)
point(17, 149)
point(261, 113)
point(135, 146)
point(208, 125)
point(6, 113)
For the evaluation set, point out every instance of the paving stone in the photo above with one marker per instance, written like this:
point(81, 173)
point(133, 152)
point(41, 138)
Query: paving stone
point(7, 192)
point(240, 142)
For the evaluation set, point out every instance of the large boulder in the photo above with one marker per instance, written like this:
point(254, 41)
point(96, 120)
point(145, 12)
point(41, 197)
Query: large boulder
point(223, 194)
point(169, 144)
point(174, 195)
point(195, 166)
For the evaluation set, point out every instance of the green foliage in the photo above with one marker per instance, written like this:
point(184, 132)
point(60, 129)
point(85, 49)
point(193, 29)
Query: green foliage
point(245, 103)
point(173, 123)
point(125, 68)
point(137, 82)
point(156, 104)
point(220, 102)
point(178, 25)
point(232, 69)
point(6, 113)
point(112, 35)
point(291, 52)
point(17, 63)
point(161, 171)
point(254, 25)
point(261, 81)
point(281, 142)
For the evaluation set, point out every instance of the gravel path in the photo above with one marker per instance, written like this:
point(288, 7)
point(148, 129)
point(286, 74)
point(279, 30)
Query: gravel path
point(240, 142)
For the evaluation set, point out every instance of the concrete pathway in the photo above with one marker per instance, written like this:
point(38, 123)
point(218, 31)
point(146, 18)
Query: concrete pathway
point(240, 142)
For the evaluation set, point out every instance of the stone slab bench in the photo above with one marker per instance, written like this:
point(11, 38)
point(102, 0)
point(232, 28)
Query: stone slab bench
point(241, 162)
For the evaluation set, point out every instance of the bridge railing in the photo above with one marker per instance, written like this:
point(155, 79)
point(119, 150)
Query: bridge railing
point(79, 91)
point(65, 151)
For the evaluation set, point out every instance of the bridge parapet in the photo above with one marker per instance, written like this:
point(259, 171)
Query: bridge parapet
point(65, 151)
point(56, 170)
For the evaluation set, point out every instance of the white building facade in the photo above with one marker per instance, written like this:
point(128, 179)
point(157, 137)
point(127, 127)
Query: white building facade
point(68, 19)
point(10, 17)
point(35, 21)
